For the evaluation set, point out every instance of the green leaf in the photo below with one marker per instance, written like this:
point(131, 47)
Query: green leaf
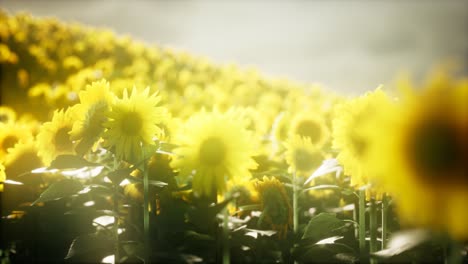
point(322, 226)
point(58, 190)
point(322, 187)
point(119, 175)
point(89, 245)
point(403, 241)
point(70, 162)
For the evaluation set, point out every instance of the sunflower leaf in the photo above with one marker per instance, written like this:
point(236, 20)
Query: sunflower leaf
point(70, 162)
point(322, 226)
point(58, 190)
point(88, 245)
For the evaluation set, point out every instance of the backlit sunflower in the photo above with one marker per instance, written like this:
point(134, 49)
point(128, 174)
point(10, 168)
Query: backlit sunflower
point(351, 118)
point(11, 134)
point(309, 125)
point(53, 138)
point(22, 158)
point(277, 212)
point(95, 102)
point(132, 124)
point(424, 161)
point(215, 147)
point(7, 114)
point(302, 156)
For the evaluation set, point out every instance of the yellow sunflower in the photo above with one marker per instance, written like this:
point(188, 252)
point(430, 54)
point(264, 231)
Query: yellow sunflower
point(95, 102)
point(53, 138)
point(309, 125)
point(11, 134)
point(132, 124)
point(215, 147)
point(277, 213)
point(351, 118)
point(22, 158)
point(7, 114)
point(302, 156)
point(424, 161)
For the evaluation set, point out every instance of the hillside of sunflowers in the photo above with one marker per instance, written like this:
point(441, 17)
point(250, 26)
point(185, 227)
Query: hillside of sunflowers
point(117, 151)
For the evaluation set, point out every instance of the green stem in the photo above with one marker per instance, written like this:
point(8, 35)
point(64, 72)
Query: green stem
point(454, 254)
point(116, 226)
point(295, 209)
point(146, 213)
point(362, 222)
point(373, 228)
point(356, 221)
point(384, 220)
point(226, 251)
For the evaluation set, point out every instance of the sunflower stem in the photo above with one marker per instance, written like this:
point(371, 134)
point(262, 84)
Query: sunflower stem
point(116, 217)
point(146, 213)
point(454, 254)
point(362, 223)
point(356, 221)
point(295, 209)
point(384, 220)
point(226, 252)
point(373, 228)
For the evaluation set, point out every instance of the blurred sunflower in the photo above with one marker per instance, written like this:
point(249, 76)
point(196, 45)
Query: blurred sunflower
point(302, 156)
point(11, 134)
point(95, 102)
point(246, 194)
point(276, 208)
point(7, 114)
point(132, 124)
point(53, 138)
point(22, 158)
point(216, 147)
point(309, 125)
point(351, 118)
point(425, 164)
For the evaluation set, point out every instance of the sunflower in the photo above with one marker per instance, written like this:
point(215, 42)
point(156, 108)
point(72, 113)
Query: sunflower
point(424, 166)
point(22, 158)
point(277, 212)
point(7, 114)
point(132, 124)
point(12, 133)
point(216, 147)
point(246, 194)
point(53, 138)
point(302, 156)
point(95, 102)
point(306, 124)
point(351, 118)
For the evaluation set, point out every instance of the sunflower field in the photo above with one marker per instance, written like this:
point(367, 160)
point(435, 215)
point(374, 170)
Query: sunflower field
point(116, 151)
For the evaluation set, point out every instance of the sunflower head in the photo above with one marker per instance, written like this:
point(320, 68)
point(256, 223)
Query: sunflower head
point(95, 102)
point(7, 114)
point(22, 158)
point(215, 147)
point(11, 134)
point(302, 156)
point(310, 126)
point(425, 164)
point(132, 124)
point(351, 123)
point(53, 138)
point(276, 207)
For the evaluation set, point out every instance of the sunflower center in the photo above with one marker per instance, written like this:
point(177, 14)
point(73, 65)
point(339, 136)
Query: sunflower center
point(305, 160)
point(435, 149)
point(9, 142)
point(212, 151)
point(310, 129)
point(62, 139)
point(132, 123)
point(358, 144)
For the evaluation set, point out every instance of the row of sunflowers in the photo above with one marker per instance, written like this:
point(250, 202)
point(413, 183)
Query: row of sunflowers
point(115, 151)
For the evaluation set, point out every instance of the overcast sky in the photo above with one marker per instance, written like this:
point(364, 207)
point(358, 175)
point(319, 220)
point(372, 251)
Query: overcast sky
point(349, 46)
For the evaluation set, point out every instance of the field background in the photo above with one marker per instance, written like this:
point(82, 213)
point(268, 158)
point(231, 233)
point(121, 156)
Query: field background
point(349, 46)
